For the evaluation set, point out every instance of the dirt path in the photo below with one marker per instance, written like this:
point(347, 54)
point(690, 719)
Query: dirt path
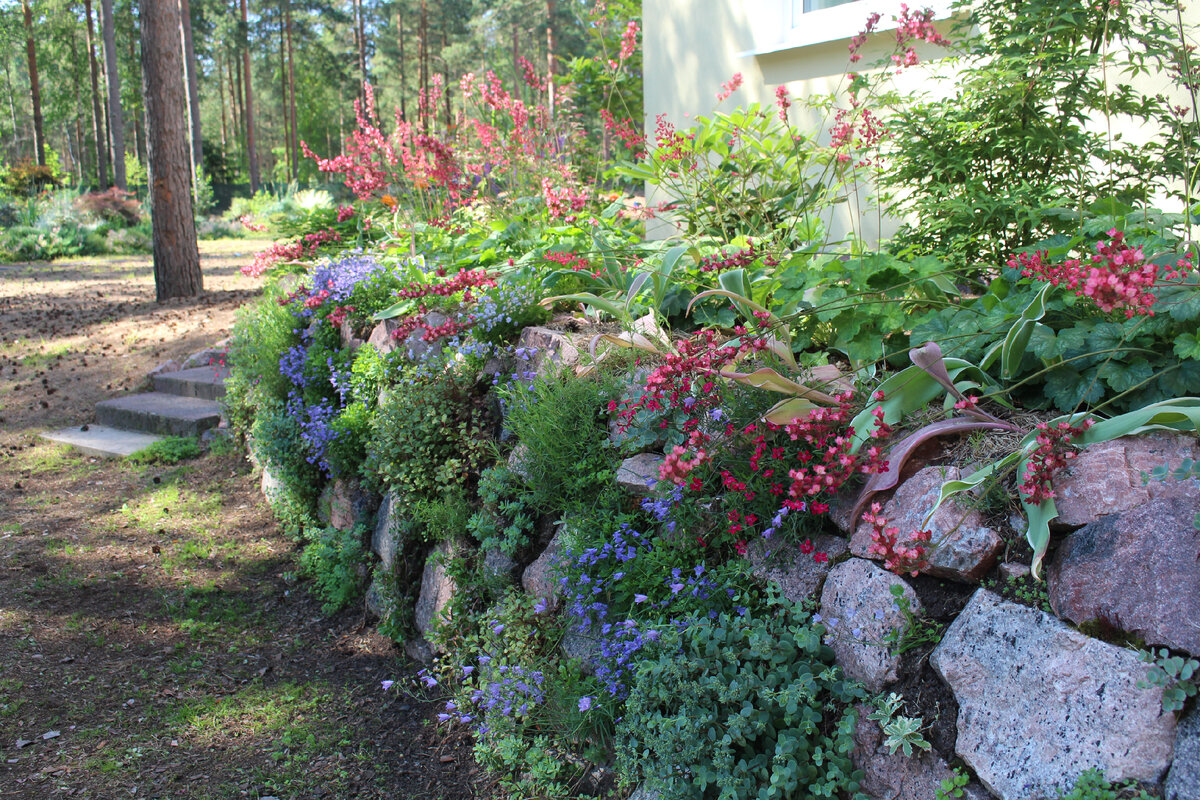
point(154, 641)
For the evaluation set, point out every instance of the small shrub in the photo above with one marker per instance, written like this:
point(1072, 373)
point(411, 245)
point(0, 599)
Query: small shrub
point(428, 439)
point(114, 205)
point(334, 559)
point(561, 421)
point(170, 450)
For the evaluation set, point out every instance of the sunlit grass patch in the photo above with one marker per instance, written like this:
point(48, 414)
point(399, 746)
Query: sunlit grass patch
point(173, 509)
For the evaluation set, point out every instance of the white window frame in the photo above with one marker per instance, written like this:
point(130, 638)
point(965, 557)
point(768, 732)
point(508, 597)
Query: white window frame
point(787, 30)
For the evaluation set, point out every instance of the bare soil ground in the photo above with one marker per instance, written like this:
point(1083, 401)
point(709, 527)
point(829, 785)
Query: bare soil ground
point(154, 639)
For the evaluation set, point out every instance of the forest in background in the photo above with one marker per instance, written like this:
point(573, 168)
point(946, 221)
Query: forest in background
point(306, 61)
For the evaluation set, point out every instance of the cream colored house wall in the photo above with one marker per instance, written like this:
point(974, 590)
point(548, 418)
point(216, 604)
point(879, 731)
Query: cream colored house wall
point(692, 46)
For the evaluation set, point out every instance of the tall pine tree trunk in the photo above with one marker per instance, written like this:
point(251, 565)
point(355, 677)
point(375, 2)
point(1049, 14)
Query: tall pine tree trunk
point(176, 257)
point(139, 138)
point(116, 119)
point(35, 95)
point(550, 58)
point(283, 97)
point(292, 94)
point(403, 78)
point(193, 83)
point(361, 40)
point(251, 149)
point(221, 97)
point(97, 116)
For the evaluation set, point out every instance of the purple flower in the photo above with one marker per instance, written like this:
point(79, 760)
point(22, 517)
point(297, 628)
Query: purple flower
point(640, 598)
point(585, 703)
point(387, 684)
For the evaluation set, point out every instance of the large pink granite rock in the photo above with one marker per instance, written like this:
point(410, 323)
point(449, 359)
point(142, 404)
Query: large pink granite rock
point(1039, 702)
point(1136, 571)
point(1106, 477)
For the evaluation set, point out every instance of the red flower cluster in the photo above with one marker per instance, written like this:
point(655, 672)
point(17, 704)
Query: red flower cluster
point(828, 462)
point(573, 262)
point(344, 213)
point(1117, 277)
point(898, 557)
point(339, 314)
point(366, 154)
point(719, 262)
point(853, 131)
point(681, 461)
point(276, 252)
point(629, 39)
point(858, 41)
point(461, 281)
point(914, 26)
point(729, 87)
point(1052, 454)
point(563, 202)
point(624, 132)
point(249, 224)
point(782, 101)
point(697, 364)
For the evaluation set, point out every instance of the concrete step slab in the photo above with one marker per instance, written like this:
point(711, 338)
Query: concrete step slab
point(207, 383)
point(159, 412)
point(101, 440)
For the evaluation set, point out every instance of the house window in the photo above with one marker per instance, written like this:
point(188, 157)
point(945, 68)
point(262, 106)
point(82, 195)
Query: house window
point(817, 5)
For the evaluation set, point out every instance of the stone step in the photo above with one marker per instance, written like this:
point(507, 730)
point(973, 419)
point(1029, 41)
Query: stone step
point(207, 383)
point(100, 440)
point(158, 412)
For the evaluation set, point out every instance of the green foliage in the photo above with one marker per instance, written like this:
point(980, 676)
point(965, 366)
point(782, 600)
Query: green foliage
point(855, 305)
point(900, 732)
point(562, 422)
point(348, 448)
point(335, 561)
point(953, 787)
point(170, 450)
point(979, 169)
point(1023, 589)
point(507, 515)
point(916, 631)
point(428, 439)
point(1176, 676)
point(1091, 785)
point(275, 437)
point(262, 333)
point(739, 173)
point(741, 707)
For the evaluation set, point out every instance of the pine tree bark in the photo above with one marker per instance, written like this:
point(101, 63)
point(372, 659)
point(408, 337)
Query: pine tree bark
point(35, 95)
point(176, 257)
point(361, 40)
point(403, 79)
point(116, 119)
point(551, 64)
point(292, 94)
point(97, 116)
point(283, 96)
point(193, 83)
point(251, 150)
